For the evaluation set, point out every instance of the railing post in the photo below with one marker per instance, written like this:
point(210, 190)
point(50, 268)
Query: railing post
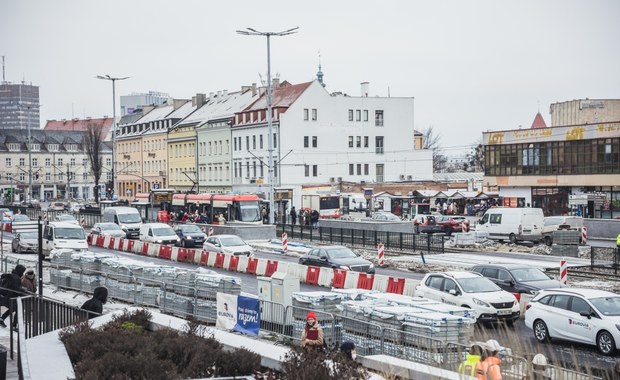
point(428, 244)
point(400, 237)
point(387, 238)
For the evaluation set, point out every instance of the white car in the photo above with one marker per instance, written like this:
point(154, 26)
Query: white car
point(589, 316)
point(473, 291)
point(228, 244)
point(66, 218)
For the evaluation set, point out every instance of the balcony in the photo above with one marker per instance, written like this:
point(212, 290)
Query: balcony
point(151, 155)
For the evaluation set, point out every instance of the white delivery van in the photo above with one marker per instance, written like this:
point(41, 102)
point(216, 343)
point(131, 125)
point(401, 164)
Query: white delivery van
point(62, 235)
point(159, 233)
point(512, 224)
point(127, 218)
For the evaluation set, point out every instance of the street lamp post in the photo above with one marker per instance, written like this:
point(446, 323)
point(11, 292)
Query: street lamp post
point(270, 168)
point(107, 77)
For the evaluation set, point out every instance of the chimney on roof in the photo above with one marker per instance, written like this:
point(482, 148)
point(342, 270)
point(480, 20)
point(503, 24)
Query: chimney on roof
point(253, 89)
point(199, 100)
point(365, 89)
point(177, 103)
point(275, 82)
point(147, 109)
point(219, 94)
point(225, 92)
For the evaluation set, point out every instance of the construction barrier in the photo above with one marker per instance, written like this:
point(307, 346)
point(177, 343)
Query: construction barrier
point(563, 272)
point(110, 243)
point(219, 260)
point(89, 239)
point(326, 277)
point(312, 275)
point(271, 267)
point(284, 241)
point(165, 252)
point(296, 270)
point(153, 250)
point(191, 254)
point(252, 265)
point(465, 226)
point(129, 245)
point(339, 277)
point(584, 235)
point(380, 283)
point(352, 279)
point(365, 281)
point(204, 258)
point(210, 232)
point(396, 285)
point(380, 255)
point(100, 240)
point(212, 259)
point(233, 263)
point(242, 267)
point(409, 287)
point(174, 254)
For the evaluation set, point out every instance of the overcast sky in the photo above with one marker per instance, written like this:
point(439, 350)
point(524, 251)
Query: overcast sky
point(471, 66)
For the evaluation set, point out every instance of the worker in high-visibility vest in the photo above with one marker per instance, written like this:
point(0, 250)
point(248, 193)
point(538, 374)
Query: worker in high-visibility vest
point(618, 244)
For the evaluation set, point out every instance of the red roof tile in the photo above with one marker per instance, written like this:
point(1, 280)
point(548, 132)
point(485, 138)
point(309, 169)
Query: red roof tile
point(283, 96)
point(539, 122)
point(80, 125)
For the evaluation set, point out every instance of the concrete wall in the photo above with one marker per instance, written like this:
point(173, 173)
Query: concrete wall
point(373, 226)
point(246, 232)
point(602, 228)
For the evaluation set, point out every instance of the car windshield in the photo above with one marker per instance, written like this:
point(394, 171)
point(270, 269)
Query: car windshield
point(232, 241)
point(129, 218)
point(189, 228)
point(250, 212)
point(340, 253)
point(529, 274)
point(29, 235)
point(69, 233)
point(163, 231)
point(109, 227)
point(477, 285)
point(608, 306)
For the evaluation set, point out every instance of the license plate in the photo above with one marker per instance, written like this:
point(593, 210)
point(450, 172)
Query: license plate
point(504, 312)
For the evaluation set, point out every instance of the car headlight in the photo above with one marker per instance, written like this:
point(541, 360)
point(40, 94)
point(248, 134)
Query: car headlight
point(188, 237)
point(158, 241)
point(178, 240)
point(480, 302)
point(345, 267)
point(123, 227)
point(371, 265)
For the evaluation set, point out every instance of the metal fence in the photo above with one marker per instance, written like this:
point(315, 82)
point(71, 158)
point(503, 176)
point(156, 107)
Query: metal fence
point(34, 213)
point(402, 241)
point(604, 257)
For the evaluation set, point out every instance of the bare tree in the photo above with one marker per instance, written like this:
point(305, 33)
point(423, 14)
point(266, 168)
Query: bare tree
point(432, 141)
point(93, 142)
point(475, 158)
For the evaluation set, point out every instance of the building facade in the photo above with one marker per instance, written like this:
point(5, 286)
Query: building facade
point(55, 165)
point(19, 106)
point(133, 102)
point(584, 111)
point(562, 169)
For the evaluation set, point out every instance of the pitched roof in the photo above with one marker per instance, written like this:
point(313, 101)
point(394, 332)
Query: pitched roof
point(80, 125)
point(539, 122)
point(283, 96)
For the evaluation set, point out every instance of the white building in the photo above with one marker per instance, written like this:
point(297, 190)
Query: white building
point(322, 138)
point(135, 101)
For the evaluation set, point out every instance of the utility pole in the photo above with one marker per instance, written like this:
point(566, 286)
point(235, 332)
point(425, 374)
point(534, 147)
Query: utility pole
point(68, 183)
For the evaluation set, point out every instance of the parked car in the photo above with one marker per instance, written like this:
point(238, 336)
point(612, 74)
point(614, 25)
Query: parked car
point(25, 242)
point(108, 229)
point(385, 216)
point(589, 316)
point(449, 224)
point(228, 244)
point(336, 257)
point(470, 290)
point(424, 223)
point(190, 234)
point(21, 218)
point(556, 223)
point(67, 219)
point(517, 278)
point(57, 206)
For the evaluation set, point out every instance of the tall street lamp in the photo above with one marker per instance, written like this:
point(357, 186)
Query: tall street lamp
point(107, 77)
point(270, 168)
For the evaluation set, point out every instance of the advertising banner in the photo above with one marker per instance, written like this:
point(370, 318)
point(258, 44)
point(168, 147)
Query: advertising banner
point(238, 313)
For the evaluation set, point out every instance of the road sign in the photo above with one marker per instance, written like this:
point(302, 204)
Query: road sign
point(156, 186)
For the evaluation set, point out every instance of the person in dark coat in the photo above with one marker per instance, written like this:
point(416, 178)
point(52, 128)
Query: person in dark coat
point(95, 304)
point(11, 288)
point(29, 282)
point(293, 216)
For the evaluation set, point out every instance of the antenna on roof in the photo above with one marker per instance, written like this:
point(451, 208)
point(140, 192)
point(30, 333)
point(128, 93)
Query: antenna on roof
point(3, 76)
point(262, 81)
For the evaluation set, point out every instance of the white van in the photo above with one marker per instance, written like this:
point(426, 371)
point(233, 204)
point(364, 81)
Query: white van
point(513, 224)
point(127, 218)
point(57, 235)
point(159, 233)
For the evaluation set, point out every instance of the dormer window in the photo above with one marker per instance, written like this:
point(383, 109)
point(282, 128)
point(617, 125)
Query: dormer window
point(14, 147)
point(52, 147)
point(72, 148)
point(35, 147)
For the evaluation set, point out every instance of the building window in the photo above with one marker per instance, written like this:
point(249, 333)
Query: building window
point(235, 143)
point(254, 169)
point(22, 162)
point(314, 114)
point(365, 115)
point(365, 169)
point(306, 115)
point(35, 162)
point(378, 118)
point(306, 142)
point(7, 162)
point(315, 170)
point(84, 177)
point(350, 141)
point(48, 177)
point(22, 177)
point(358, 115)
point(350, 115)
point(379, 144)
point(247, 142)
point(358, 142)
point(108, 162)
point(72, 162)
point(307, 170)
point(60, 162)
point(351, 169)
point(260, 141)
point(359, 169)
point(247, 169)
point(315, 141)
point(262, 170)
point(85, 162)
point(14, 147)
point(275, 141)
point(254, 142)
point(365, 141)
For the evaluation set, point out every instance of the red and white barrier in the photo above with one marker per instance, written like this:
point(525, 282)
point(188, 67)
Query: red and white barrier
point(210, 232)
point(351, 280)
point(211, 260)
point(83, 222)
point(297, 270)
point(410, 285)
point(563, 272)
point(326, 276)
point(284, 241)
point(242, 265)
point(465, 226)
point(45, 216)
point(584, 235)
point(380, 283)
point(381, 254)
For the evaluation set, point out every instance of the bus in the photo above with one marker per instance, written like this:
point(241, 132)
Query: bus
point(235, 207)
point(152, 203)
point(328, 206)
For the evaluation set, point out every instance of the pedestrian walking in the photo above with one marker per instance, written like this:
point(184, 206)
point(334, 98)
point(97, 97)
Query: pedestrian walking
point(472, 366)
point(29, 282)
point(539, 369)
point(293, 216)
point(11, 284)
point(312, 334)
point(491, 365)
point(95, 305)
